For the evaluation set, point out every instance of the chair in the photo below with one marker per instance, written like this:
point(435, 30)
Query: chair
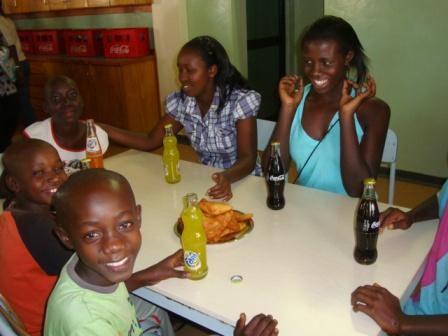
point(389, 158)
point(10, 324)
point(264, 132)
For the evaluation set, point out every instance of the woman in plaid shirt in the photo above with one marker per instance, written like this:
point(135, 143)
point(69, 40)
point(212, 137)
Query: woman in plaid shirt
point(217, 111)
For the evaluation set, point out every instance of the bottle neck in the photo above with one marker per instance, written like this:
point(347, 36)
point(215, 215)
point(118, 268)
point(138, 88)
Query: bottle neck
point(90, 128)
point(369, 192)
point(275, 151)
point(169, 132)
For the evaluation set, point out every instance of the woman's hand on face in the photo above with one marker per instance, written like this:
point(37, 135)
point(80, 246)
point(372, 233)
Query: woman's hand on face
point(289, 94)
point(349, 104)
point(222, 189)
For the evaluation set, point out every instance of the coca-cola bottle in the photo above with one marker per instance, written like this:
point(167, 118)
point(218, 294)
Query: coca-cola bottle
point(275, 179)
point(367, 225)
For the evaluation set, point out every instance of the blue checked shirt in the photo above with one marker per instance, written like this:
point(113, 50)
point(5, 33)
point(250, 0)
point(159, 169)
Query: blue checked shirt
point(214, 137)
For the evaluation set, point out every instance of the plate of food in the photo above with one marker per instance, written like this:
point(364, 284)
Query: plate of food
point(221, 222)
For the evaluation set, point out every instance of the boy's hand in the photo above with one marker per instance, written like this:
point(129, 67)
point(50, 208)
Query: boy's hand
point(379, 304)
point(222, 189)
point(260, 325)
point(165, 269)
point(393, 218)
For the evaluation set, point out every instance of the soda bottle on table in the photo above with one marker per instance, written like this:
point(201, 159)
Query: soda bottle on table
point(367, 225)
point(193, 238)
point(170, 156)
point(94, 153)
point(275, 179)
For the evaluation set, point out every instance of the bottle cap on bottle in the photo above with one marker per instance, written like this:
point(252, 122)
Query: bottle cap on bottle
point(275, 143)
point(369, 181)
point(168, 126)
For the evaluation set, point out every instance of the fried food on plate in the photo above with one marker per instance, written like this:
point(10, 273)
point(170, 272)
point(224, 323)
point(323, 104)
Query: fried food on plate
point(221, 223)
point(214, 208)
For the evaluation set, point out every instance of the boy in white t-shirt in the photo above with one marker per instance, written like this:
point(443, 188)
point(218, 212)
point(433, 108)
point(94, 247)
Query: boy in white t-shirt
point(64, 130)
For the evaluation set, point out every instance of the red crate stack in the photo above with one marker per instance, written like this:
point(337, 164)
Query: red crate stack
point(26, 41)
point(84, 42)
point(48, 42)
point(126, 42)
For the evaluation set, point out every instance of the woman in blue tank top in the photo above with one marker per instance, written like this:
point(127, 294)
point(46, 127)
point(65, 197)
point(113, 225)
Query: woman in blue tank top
point(334, 128)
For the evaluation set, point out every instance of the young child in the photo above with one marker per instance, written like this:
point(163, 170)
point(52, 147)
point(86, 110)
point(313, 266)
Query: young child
point(96, 215)
point(31, 257)
point(334, 128)
point(426, 311)
point(63, 129)
point(215, 108)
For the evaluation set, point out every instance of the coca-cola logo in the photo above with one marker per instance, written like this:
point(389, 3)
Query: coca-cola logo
point(119, 49)
point(79, 49)
point(45, 47)
point(278, 178)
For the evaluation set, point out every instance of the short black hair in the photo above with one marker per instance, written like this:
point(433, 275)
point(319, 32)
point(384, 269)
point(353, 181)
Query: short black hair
point(335, 28)
point(212, 52)
point(12, 158)
point(62, 201)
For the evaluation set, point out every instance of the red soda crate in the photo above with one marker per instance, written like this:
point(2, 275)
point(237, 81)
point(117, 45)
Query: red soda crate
point(48, 42)
point(26, 40)
point(126, 42)
point(84, 42)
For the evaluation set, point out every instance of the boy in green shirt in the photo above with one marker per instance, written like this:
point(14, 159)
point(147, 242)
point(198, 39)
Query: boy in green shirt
point(97, 216)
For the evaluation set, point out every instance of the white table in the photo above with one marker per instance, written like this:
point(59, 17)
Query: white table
point(297, 263)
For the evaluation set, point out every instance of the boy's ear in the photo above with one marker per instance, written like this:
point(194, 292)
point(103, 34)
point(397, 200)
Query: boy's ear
point(12, 183)
point(63, 237)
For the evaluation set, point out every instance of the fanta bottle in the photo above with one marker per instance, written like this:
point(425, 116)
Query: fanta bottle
point(193, 239)
point(93, 148)
point(170, 156)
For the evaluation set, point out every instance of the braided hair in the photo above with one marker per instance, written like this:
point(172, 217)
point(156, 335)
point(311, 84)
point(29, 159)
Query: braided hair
point(227, 77)
point(335, 28)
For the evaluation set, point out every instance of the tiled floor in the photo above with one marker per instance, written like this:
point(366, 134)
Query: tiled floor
point(407, 194)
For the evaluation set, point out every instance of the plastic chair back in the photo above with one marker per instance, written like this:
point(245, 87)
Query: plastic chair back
point(390, 158)
point(264, 132)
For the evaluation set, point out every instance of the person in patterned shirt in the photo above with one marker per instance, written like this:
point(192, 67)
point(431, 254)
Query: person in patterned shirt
point(217, 111)
point(9, 98)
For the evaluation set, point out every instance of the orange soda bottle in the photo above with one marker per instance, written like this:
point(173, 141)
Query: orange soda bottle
point(194, 241)
point(93, 148)
point(170, 156)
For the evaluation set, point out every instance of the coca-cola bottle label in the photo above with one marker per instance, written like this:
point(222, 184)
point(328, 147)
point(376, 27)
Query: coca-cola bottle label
point(278, 178)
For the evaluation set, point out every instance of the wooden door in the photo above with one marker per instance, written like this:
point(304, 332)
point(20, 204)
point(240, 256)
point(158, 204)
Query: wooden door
point(16, 6)
point(39, 5)
point(98, 3)
point(110, 97)
point(122, 2)
point(57, 4)
point(71, 4)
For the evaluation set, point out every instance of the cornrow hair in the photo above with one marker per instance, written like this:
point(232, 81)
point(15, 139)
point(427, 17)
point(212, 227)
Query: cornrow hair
point(227, 78)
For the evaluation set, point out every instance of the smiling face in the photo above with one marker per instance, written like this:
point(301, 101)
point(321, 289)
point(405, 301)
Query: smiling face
point(36, 175)
point(325, 65)
point(104, 229)
point(63, 101)
point(195, 77)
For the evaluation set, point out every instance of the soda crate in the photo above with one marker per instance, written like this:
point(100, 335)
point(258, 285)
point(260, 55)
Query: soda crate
point(84, 42)
point(26, 40)
point(126, 42)
point(48, 42)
